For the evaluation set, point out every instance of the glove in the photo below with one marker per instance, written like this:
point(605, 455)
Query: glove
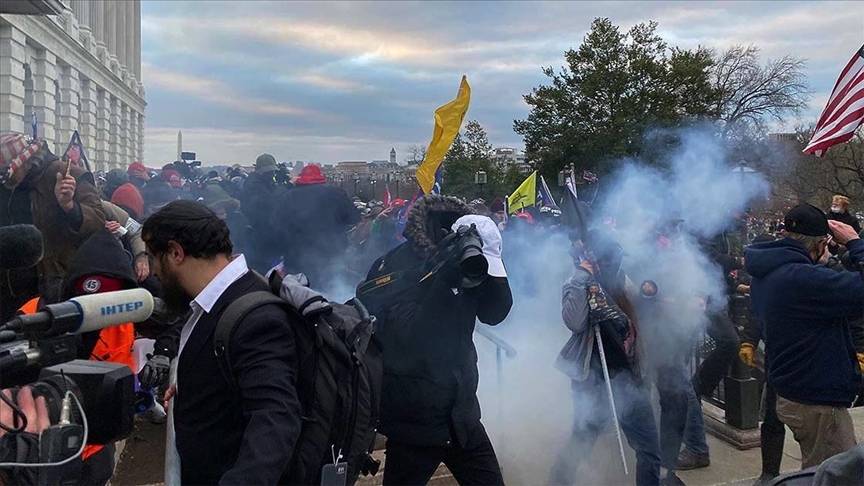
point(747, 354)
point(860, 357)
point(154, 374)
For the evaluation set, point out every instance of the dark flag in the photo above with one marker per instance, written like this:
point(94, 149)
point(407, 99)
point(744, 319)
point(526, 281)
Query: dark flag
point(75, 152)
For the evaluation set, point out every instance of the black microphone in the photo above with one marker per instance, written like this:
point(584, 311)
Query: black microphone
point(20, 246)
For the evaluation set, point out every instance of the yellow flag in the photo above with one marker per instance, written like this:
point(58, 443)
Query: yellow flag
point(448, 120)
point(525, 196)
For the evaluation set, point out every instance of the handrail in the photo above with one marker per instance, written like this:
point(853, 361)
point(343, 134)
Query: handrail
point(487, 333)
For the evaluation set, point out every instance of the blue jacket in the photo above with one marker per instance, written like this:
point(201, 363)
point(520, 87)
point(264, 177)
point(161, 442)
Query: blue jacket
point(806, 310)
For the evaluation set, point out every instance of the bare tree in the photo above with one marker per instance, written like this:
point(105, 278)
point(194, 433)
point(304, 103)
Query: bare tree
point(415, 154)
point(749, 93)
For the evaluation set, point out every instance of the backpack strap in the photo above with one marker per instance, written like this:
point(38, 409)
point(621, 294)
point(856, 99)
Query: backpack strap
point(234, 313)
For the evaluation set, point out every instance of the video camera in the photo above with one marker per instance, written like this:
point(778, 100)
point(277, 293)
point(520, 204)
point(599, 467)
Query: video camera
point(40, 350)
point(464, 249)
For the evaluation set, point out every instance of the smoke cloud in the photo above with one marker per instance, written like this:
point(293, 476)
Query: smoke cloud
point(664, 216)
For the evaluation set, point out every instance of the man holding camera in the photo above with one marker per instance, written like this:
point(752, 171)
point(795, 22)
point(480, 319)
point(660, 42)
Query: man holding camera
point(806, 310)
point(427, 294)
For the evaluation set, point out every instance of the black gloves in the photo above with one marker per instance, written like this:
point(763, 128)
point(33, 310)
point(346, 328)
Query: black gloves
point(154, 374)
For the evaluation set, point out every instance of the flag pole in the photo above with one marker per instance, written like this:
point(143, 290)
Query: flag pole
point(611, 397)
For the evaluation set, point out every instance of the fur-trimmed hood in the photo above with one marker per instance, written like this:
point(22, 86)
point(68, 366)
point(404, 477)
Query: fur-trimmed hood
point(429, 215)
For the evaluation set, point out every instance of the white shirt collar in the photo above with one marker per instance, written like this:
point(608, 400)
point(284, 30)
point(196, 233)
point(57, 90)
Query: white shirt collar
point(230, 274)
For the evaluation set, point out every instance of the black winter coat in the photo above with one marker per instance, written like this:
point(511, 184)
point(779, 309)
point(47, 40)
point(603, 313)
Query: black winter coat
point(429, 393)
point(244, 437)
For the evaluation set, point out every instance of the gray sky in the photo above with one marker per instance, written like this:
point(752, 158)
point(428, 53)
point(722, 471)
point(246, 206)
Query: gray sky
point(325, 82)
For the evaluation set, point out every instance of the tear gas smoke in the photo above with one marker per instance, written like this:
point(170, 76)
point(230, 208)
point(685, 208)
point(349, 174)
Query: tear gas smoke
point(663, 217)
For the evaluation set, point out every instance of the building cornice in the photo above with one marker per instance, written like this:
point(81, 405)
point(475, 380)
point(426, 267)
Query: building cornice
point(42, 29)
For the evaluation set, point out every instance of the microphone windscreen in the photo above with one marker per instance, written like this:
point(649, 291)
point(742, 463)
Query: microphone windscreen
point(20, 246)
point(99, 311)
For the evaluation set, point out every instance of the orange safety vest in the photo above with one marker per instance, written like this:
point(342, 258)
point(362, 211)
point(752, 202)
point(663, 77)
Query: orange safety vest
point(114, 345)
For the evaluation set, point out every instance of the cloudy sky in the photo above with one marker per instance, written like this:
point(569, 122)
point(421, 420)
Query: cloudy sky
point(325, 82)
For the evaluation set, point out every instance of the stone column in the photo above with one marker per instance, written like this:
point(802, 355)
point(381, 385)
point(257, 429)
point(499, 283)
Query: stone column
point(120, 33)
point(67, 119)
point(85, 24)
point(140, 155)
point(44, 74)
point(123, 136)
point(132, 138)
point(101, 27)
point(87, 121)
point(103, 126)
point(137, 39)
point(12, 56)
point(114, 133)
point(111, 35)
point(129, 36)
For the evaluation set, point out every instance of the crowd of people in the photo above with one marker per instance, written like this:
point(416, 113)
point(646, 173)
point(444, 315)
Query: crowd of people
point(240, 403)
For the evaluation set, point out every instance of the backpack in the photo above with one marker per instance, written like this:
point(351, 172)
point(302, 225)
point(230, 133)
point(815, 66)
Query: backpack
point(339, 378)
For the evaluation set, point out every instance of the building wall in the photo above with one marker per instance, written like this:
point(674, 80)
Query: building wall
point(77, 70)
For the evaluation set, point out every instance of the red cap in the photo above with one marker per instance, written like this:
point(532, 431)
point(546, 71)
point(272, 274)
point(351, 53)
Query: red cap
point(311, 174)
point(172, 177)
point(137, 170)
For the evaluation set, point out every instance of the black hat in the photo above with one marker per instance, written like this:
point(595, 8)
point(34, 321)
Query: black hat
point(807, 220)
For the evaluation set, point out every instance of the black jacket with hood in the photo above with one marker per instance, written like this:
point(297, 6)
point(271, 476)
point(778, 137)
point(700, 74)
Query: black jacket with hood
point(429, 393)
point(101, 254)
point(806, 310)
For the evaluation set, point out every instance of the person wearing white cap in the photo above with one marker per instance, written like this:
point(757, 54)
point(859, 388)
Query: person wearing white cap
point(427, 306)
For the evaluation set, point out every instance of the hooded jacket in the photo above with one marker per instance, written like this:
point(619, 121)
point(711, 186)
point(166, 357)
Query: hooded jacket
point(33, 202)
point(429, 395)
point(806, 310)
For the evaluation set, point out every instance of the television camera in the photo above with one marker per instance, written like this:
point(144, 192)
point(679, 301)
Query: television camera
point(87, 401)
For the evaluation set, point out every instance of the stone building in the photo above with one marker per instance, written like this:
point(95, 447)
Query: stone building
point(74, 64)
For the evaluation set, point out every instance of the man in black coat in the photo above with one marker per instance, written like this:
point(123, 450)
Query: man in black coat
point(225, 435)
point(313, 220)
point(429, 408)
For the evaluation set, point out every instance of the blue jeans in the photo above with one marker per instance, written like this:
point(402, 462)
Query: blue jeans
point(680, 415)
point(593, 416)
point(694, 429)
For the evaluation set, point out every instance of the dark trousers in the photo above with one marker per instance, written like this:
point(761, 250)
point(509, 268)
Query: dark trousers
point(773, 433)
point(474, 464)
point(715, 366)
point(593, 417)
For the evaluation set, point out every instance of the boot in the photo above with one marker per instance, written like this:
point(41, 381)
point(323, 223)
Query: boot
point(688, 459)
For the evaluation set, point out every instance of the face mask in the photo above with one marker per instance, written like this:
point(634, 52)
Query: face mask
point(836, 209)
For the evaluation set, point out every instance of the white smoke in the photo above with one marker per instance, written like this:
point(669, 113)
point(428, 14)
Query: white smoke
point(529, 411)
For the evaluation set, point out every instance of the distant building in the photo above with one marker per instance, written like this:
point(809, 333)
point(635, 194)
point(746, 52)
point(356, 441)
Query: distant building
point(392, 155)
point(507, 157)
point(350, 167)
point(76, 64)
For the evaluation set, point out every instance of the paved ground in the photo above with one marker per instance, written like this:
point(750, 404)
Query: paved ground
point(142, 462)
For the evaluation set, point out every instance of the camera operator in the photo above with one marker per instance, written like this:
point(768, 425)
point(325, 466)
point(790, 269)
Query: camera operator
point(429, 408)
point(806, 310)
point(100, 265)
point(24, 446)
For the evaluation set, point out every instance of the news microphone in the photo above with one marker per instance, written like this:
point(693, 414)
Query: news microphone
point(87, 313)
point(20, 246)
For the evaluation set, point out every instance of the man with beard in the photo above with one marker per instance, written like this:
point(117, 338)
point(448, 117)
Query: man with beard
point(240, 433)
point(426, 317)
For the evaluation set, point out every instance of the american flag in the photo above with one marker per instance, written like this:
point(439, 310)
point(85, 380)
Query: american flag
point(845, 109)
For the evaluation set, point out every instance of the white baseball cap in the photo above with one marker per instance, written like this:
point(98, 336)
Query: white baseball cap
point(491, 241)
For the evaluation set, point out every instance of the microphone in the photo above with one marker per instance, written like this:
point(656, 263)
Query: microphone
point(87, 313)
point(20, 246)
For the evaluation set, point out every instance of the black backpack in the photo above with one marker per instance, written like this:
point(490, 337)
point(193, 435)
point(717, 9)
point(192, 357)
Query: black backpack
point(339, 379)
